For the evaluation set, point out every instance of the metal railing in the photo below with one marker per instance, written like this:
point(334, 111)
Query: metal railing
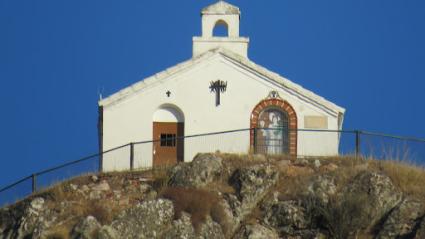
point(139, 155)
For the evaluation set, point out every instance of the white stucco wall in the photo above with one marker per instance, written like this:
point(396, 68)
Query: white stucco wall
point(238, 45)
point(130, 120)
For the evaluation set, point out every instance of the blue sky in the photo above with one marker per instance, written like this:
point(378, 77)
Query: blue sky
point(56, 55)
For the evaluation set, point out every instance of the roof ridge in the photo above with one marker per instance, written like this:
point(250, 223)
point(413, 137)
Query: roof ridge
point(221, 7)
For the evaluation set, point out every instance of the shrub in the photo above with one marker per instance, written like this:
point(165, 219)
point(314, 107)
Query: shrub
point(343, 217)
point(160, 178)
point(100, 211)
point(197, 202)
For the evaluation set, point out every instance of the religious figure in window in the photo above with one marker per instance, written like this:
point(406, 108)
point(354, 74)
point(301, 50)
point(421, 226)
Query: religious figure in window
point(272, 136)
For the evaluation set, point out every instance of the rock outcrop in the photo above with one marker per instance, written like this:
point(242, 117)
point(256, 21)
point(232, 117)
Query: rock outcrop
point(86, 229)
point(252, 184)
point(146, 220)
point(204, 169)
point(401, 221)
point(380, 196)
point(252, 200)
point(256, 231)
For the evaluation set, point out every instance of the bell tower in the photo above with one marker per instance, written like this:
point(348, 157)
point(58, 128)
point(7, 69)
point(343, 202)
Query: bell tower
point(216, 15)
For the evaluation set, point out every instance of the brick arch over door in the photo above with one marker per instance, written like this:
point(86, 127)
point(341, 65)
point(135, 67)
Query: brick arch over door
point(292, 120)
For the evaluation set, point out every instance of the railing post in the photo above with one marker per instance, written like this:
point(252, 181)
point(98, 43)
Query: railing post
point(131, 156)
point(34, 183)
point(100, 136)
point(357, 143)
point(255, 140)
point(100, 162)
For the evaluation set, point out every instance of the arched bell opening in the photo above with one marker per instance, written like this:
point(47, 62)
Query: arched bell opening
point(221, 29)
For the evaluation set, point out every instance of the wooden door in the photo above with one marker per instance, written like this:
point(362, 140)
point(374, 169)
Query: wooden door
point(168, 148)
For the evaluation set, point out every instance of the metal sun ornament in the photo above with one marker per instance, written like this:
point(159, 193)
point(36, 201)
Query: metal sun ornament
point(218, 87)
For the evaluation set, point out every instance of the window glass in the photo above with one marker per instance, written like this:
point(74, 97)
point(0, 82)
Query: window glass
point(168, 140)
point(272, 133)
point(163, 139)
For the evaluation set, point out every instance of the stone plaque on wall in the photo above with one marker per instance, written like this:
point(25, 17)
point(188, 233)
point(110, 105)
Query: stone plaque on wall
point(315, 122)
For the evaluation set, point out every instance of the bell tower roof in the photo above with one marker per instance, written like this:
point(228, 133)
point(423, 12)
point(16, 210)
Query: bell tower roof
point(221, 8)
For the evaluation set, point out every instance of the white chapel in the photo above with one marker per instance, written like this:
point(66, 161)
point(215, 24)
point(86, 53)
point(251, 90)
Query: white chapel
point(219, 89)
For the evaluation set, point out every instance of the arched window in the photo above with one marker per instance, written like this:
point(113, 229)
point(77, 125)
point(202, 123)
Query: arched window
point(272, 132)
point(279, 121)
point(221, 29)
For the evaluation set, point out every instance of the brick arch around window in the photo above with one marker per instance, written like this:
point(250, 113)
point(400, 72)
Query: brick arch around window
point(292, 120)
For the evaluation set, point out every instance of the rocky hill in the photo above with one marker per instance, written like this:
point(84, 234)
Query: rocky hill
point(231, 196)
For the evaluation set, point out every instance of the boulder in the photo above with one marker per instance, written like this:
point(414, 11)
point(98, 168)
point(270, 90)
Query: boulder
point(28, 219)
point(94, 178)
point(256, 231)
point(37, 204)
point(107, 232)
point(181, 228)
point(102, 186)
point(380, 196)
point(86, 229)
point(211, 229)
point(317, 164)
point(204, 169)
point(401, 221)
point(287, 216)
point(145, 220)
point(73, 187)
point(252, 184)
point(322, 187)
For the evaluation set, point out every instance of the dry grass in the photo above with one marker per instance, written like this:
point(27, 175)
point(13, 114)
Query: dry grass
point(198, 203)
point(344, 175)
point(102, 211)
point(341, 215)
point(59, 232)
point(292, 188)
point(254, 217)
point(347, 161)
point(410, 179)
point(160, 178)
point(221, 186)
point(80, 207)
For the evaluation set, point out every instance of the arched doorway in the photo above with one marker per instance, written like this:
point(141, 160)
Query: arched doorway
point(275, 128)
point(168, 133)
